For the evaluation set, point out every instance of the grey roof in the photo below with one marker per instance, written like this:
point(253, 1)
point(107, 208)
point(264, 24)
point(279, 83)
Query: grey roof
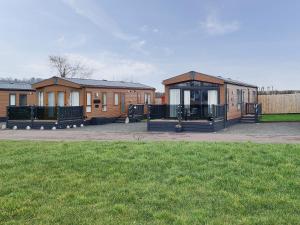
point(230, 81)
point(105, 83)
point(6, 85)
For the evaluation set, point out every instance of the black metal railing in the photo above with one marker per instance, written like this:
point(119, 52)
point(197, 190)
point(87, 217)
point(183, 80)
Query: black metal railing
point(136, 112)
point(186, 112)
point(19, 113)
point(43, 113)
point(70, 113)
point(253, 108)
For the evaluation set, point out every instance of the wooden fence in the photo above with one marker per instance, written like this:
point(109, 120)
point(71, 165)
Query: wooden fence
point(280, 103)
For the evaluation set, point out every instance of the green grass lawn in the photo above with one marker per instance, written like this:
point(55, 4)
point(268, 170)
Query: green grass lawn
point(281, 118)
point(149, 183)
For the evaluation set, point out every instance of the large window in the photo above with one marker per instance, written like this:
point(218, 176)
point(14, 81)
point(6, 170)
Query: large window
point(12, 99)
point(74, 98)
point(116, 98)
point(195, 84)
point(147, 98)
point(61, 98)
point(41, 98)
point(104, 102)
point(22, 100)
point(88, 102)
point(51, 99)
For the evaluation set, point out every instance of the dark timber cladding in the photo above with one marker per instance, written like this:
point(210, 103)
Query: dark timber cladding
point(103, 101)
point(202, 103)
point(15, 94)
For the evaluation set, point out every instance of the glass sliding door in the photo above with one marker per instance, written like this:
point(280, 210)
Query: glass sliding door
point(51, 99)
point(174, 101)
point(61, 99)
point(212, 100)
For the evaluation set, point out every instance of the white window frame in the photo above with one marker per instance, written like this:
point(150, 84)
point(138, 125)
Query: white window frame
point(88, 102)
point(147, 99)
point(116, 99)
point(59, 99)
point(41, 98)
point(14, 102)
point(72, 103)
point(104, 102)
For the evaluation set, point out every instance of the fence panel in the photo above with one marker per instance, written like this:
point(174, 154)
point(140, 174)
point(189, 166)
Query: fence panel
point(280, 103)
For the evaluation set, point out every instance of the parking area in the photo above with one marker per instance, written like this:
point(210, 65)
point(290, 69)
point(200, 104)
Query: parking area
point(260, 133)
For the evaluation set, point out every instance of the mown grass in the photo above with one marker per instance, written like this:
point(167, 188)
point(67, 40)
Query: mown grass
point(149, 183)
point(281, 118)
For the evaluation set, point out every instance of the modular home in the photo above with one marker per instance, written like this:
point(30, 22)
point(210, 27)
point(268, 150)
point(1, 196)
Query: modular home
point(15, 94)
point(209, 102)
point(103, 101)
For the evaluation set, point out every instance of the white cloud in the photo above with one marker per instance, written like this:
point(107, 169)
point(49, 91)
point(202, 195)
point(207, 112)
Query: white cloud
point(71, 42)
point(116, 67)
point(146, 28)
point(97, 16)
point(214, 26)
point(139, 47)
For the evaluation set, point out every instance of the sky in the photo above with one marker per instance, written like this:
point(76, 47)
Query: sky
point(255, 41)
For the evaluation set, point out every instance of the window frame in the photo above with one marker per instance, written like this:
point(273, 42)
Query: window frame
point(104, 103)
point(10, 95)
point(40, 98)
point(116, 103)
point(58, 98)
point(147, 98)
point(89, 104)
point(23, 95)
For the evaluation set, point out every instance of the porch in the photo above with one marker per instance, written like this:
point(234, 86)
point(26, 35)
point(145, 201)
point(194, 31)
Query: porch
point(37, 117)
point(191, 118)
point(197, 118)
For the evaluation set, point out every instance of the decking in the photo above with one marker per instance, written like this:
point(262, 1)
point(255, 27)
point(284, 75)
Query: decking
point(40, 117)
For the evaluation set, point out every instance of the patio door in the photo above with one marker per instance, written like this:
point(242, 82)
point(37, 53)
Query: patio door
point(174, 101)
point(61, 98)
point(51, 99)
point(187, 101)
point(212, 99)
point(51, 103)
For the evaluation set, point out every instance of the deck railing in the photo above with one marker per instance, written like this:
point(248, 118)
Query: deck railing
point(254, 109)
point(186, 112)
point(136, 112)
point(42, 113)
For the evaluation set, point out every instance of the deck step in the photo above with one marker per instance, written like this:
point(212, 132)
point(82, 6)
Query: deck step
point(248, 119)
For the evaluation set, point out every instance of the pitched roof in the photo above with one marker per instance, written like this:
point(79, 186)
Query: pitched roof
point(6, 85)
point(192, 74)
point(105, 83)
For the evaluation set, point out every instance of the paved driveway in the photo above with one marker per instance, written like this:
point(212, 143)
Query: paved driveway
point(261, 133)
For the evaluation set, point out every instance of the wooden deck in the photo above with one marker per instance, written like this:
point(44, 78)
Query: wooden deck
point(187, 126)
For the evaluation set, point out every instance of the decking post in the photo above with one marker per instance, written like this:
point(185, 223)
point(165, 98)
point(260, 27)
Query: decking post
point(57, 116)
point(32, 115)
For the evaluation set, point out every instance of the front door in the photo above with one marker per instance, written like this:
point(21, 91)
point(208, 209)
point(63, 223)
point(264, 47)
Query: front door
point(123, 104)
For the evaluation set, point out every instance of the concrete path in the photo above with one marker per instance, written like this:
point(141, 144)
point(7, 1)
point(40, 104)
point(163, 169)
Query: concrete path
point(260, 133)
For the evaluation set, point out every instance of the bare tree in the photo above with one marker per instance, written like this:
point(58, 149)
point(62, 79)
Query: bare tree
point(67, 69)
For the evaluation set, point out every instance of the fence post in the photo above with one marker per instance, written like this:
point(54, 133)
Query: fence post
point(58, 116)
point(32, 115)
